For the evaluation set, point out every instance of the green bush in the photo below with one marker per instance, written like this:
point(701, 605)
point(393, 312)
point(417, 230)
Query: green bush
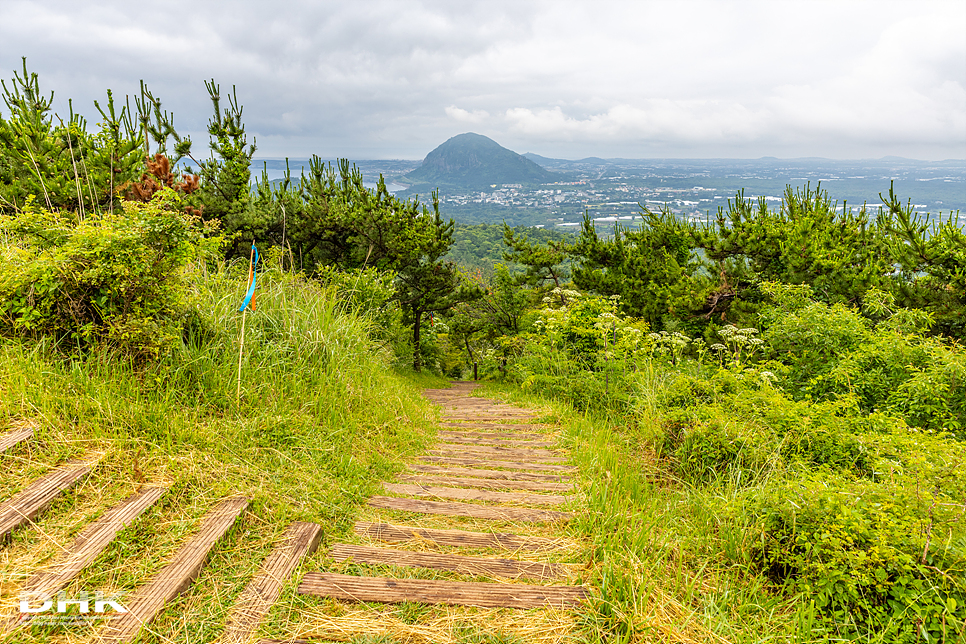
point(115, 279)
point(832, 352)
point(881, 562)
point(367, 292)
point(711, 448)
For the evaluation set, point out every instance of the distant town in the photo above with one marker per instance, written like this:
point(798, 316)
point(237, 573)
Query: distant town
point(613, 190)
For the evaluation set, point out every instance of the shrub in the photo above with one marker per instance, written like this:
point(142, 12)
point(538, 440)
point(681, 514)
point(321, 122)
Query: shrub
point(880, 561)
point(116, 279)
point(833, 352)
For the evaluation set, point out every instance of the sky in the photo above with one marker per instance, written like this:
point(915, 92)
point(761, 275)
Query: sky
point(846, 79)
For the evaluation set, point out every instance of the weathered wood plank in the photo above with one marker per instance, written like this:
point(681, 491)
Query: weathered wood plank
point(486, 484)
point(299, 541)
point(91, 541)
point(10, 439)
point(493, 463)
point(487, 410)
point(88, 544)
point(505, 475)
point(502, 436)
point(470, 494)
point(462, 402)
point(500, 426)
point(382, 589)
point(170, 581)
point(503, 453)
point(449, 437)
point(457, 538)
point(508, 568)
point(498, 513)
point(478, 416)
point(25, 505)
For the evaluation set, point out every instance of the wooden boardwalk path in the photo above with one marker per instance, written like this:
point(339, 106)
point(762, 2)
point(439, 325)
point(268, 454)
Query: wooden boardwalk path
point(493, 465)
point(477, 523)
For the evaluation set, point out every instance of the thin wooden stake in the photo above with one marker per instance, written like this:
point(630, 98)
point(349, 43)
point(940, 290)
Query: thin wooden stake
point(241, 349)
point(241, 345)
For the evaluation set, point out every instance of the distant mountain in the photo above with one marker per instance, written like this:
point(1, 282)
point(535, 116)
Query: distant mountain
point(545, 162)
point(475, 162)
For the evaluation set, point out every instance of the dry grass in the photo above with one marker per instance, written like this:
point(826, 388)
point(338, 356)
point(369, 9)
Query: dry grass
point(343, 622)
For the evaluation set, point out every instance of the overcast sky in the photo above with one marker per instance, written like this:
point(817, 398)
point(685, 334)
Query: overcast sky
point(394, 79)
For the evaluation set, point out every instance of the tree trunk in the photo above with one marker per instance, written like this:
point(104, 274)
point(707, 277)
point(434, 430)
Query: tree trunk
point(417, 352)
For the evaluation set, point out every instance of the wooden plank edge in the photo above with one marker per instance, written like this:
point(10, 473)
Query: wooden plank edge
point(10, 439)
point(299, 541)
point(458, 593)
point(480, 566)
point(39, 494)
point(392, 533)
point(497, 513)
point(184, 567)
point(86, 547)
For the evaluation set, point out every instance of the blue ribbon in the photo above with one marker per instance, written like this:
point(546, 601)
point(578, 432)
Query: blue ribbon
point(251, 287)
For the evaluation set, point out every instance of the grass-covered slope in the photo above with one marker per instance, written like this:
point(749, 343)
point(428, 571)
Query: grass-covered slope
point(321, 419)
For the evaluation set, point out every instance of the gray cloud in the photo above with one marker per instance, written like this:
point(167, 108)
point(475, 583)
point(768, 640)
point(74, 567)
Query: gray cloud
point(569, 79)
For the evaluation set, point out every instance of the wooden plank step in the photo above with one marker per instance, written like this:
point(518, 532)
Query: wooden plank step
point(487, 484)
point(91, 541)
point(492, 442)
point(488, 410)
point(472, 510)
point(459, 593)
point(252, 605)
point(508, 568)
point(501, 436)
point(10, 439)
point(469, 494)
point(88, 544)
point(504, 453)
point(23, 506)
point(478, 403)
point(144, 605)
point(505, 475)
point(458, 538)
point(478, 416)
point(484, 405)
point(501, 454)
point(500, 426)
point(493, 463)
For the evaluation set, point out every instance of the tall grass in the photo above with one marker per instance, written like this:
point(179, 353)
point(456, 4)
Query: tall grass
point(321, 420)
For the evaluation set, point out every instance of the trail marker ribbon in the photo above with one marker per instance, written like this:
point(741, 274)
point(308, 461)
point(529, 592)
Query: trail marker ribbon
point(252, 277)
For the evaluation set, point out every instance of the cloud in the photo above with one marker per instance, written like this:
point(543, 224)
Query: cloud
point(464, 116)
point(657, 119)
point(394, 78)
